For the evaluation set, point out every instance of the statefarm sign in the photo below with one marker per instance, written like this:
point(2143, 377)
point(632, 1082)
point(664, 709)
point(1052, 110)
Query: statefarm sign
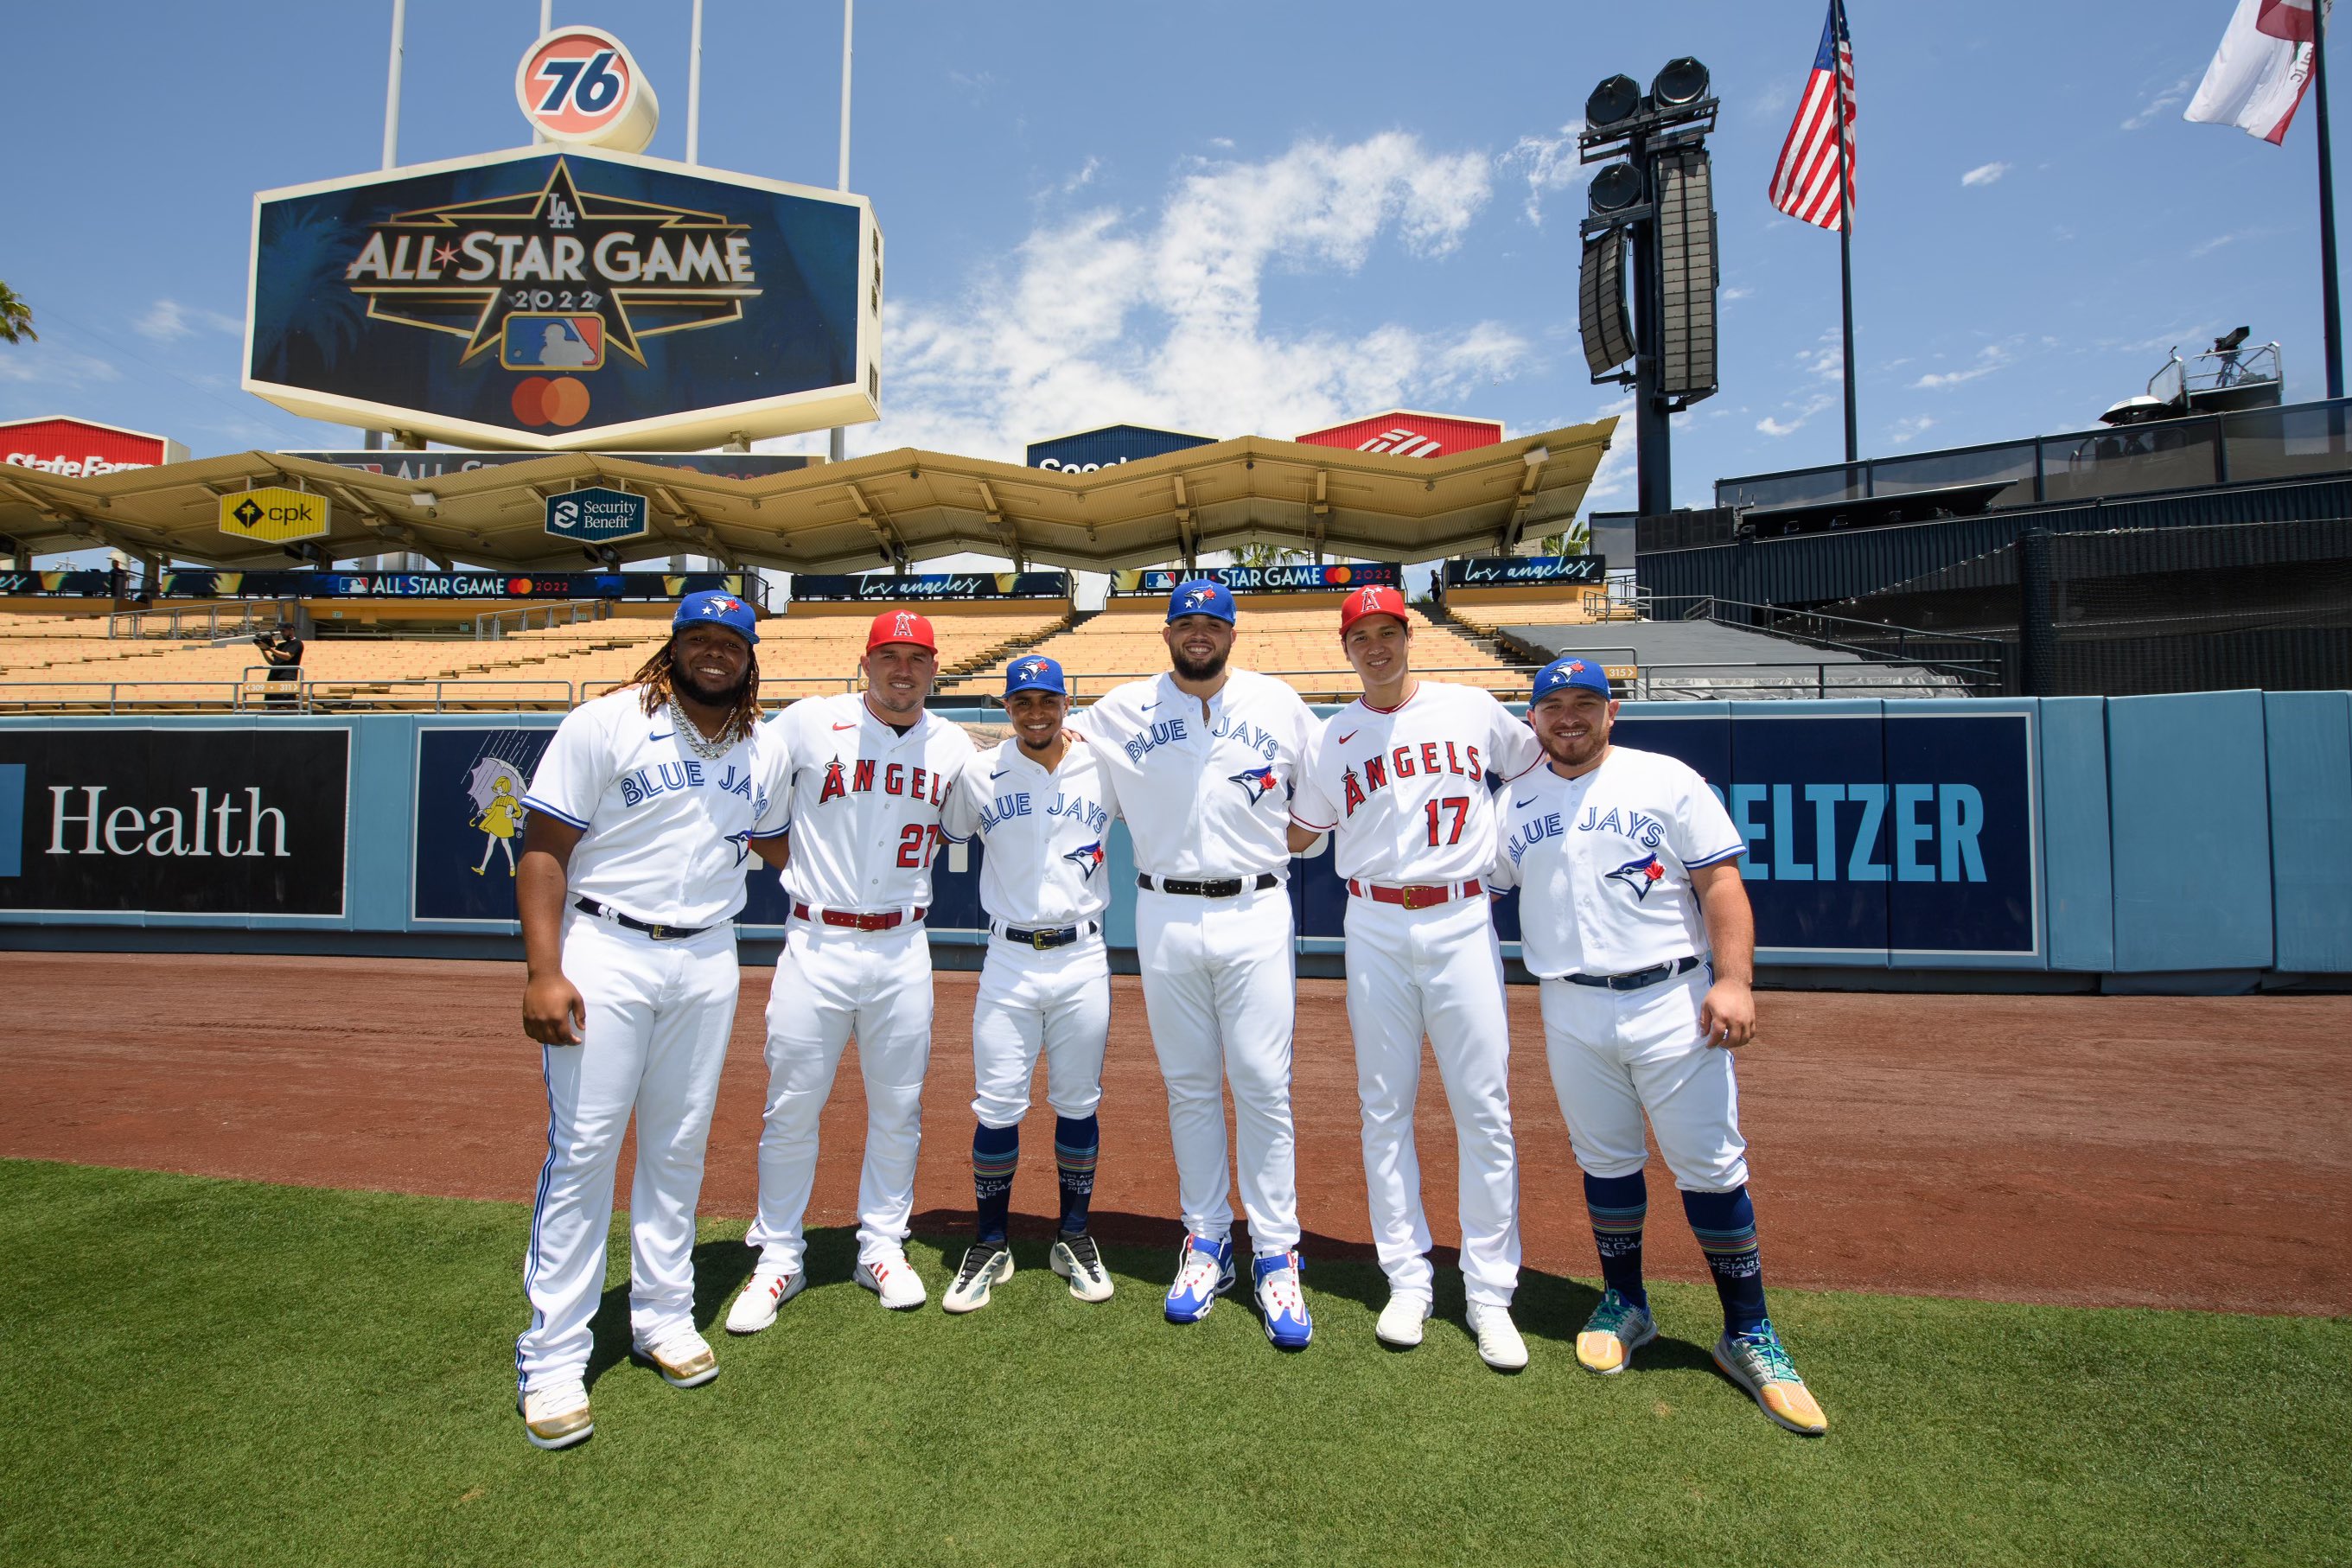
point(563, 300)
point(81, 448)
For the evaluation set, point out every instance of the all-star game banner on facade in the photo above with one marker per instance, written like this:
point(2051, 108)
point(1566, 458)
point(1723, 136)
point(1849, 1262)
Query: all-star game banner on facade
point(562, 300)
point(883, 588)
point(1162, 580)
point(434, 465)
point(87, 584)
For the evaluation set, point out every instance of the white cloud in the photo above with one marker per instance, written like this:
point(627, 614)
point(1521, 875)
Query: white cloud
point(1550, 165)
point(1104, 316)
point(42, 365)
point(1737, 291)
point(2167, 99)
point(1798, 416)
point(1990, 358)
point(168, 321)
point(1910, 430)
point(2213, 245)
point(1984, 173)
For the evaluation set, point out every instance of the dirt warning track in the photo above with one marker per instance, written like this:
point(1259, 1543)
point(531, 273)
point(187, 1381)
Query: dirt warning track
point(2117, 1150)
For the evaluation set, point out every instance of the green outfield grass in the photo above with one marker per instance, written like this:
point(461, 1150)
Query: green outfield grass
point(219, 1373)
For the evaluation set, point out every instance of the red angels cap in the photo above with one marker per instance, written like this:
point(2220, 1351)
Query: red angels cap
point(1372, 600)
point(900, 625)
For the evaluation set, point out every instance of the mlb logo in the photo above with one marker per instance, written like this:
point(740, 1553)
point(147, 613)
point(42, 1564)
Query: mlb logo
point(535, 340)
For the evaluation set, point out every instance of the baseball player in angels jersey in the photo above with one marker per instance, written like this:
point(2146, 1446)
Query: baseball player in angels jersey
point(1399, 777)
point(869, 773)
point(1202, 759)
point(631, 876)
point(1041, 808)
point(1633, 915)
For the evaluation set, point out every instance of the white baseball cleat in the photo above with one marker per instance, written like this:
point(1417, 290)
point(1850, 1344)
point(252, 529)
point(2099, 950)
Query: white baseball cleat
point(892, 1277)
point(985, 1263)
point(685, 1360)
point(1499, 1345)
point(1401, 1319)
point(1075, 1260)
point(763, 1294)
point(556, 1417)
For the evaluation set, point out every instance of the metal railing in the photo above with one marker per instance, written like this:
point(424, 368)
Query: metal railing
point(121, 696)
point(1789, 681)
point(1103, 681)
point(491, 625)
point(219, 621)
point(1981, 662)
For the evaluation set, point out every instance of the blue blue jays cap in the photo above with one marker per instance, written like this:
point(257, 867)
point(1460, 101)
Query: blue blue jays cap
point(1565, 672)
point(719, 608)
point(1033, 672)
point(1202, 596)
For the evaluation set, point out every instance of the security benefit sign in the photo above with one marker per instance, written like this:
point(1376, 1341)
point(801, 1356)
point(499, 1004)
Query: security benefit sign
point(563, 300)
point(470, 782)
point(1908, 837)
point(596, 515)
point(174, 821)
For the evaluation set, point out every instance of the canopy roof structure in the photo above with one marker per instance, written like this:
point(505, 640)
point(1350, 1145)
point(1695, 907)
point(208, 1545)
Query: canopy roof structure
point(874, 511)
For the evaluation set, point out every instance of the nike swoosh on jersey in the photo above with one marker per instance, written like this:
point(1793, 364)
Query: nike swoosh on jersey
point(998, 774)
point(665, 735)
point(840, 727)
point(1522, 805)
point(1343, 740)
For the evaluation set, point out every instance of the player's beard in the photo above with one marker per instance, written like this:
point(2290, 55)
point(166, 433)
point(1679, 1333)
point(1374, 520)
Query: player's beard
point(1208, 669)
point(682, 681)
point(1574, 753)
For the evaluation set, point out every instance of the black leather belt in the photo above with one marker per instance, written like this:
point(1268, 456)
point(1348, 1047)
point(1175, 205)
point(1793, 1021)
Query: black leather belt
point(1043, 938)
point(1225, 887)
point(1636, 979)
point(658, 932)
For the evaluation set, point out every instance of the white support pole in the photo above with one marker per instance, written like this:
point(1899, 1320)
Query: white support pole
point(694, 91)
point(546, 25)
point(392, 86)
point(840, 435)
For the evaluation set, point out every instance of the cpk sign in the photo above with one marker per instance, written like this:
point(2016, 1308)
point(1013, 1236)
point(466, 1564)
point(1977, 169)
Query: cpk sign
point(81, 448)
point(1400, 432)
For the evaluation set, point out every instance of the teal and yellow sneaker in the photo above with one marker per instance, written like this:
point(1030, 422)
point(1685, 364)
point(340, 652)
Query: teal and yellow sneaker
point(1610, 1337)
point(1758, 1362)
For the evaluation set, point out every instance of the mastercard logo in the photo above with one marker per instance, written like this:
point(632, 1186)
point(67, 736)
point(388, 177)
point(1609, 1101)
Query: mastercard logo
point(558, 400)
point(518, 585)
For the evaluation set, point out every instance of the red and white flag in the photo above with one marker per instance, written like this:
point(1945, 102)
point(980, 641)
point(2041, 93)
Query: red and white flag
point(2260, 72)
point(1812, 181)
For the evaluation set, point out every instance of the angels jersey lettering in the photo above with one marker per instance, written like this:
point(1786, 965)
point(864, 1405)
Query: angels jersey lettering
point(865, 803)
point(1204, 795)
point(1405, 790)
point(1042, 834)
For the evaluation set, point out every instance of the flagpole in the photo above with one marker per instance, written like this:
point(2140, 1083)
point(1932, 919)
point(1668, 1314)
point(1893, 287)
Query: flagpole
point(2331, 315)
point(1845, 238)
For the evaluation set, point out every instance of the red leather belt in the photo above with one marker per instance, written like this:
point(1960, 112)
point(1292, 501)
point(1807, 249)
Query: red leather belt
point(852, 922)
point(1415, 897)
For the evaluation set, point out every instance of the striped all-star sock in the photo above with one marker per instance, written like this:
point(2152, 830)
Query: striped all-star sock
point(1617, 1205)
point(995, 1153)
point(1078, 1140)
point(1725, 1223)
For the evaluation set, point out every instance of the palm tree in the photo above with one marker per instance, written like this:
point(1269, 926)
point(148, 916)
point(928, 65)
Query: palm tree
point(16, 318)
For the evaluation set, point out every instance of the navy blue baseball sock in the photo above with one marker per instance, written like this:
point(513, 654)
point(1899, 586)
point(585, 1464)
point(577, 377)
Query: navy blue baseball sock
point(1618, 1205)
point(1077, 1139)
point(1725, 1223)
point(995, 1153)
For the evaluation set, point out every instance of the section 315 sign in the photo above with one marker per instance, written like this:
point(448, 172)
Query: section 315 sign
point(563, 300)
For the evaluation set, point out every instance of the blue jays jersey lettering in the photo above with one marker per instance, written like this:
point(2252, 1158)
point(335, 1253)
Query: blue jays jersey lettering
point(1041, 834)
point(1604, 863)
point(865, 803)
point(1205, 795)
point(664, 835)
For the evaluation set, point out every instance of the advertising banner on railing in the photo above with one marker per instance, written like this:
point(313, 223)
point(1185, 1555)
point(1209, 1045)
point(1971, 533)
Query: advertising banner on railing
point(81, 584)
point(248, 822)
point(1512, 570)
point(440, 584)
point(881, 587)
point(1162, 580)
point(434, 465)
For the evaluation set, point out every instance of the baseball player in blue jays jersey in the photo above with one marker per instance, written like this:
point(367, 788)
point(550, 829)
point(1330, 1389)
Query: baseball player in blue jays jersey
point(868, 774)
point(1202, 759)
point(1041, 808)
point(631, 876)
point(1399, 776)
point(1633, 915)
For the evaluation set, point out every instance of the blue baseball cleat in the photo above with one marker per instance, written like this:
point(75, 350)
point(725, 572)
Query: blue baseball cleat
point(1281, 1303)
point(1204, 1271)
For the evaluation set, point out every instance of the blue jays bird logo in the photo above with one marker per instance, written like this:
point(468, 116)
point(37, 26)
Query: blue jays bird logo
point(1087, 859)
point(1034, 666)
point(1640, 875)
point(1198, 596)
point(1256, 783)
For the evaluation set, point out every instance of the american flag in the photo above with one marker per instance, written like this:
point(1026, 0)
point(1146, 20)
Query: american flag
point(1808, 184)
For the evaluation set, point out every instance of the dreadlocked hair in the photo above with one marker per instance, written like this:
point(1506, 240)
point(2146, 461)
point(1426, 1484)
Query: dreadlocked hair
point(654, 679)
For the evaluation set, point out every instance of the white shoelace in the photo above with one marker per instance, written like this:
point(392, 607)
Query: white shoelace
point(1201, 1273)
point(1280, 1290)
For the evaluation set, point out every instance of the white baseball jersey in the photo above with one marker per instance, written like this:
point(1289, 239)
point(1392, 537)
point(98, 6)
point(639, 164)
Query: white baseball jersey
point(1404, 788)
point(1205, 798)
point(1603, 862)
point(665, 833)
point(1042, 834)
point(865, 802)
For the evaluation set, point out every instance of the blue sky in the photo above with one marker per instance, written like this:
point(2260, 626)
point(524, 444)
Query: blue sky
point(1234, 218)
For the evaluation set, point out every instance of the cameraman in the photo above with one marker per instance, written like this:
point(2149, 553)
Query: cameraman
point(282, 651)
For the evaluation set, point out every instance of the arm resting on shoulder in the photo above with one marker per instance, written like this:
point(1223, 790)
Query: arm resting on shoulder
point(552, 1005)
point(1727, 1017)
point(776, 851)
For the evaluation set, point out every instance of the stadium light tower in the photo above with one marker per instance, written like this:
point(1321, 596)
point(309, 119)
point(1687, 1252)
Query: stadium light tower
point(1658, 195)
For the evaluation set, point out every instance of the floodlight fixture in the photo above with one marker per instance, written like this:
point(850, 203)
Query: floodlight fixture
point(1682, 81)
point(1614, 100)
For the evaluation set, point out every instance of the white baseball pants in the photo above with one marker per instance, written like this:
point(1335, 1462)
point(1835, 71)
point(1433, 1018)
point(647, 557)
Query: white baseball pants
point(1616, 1054)
point(1220, 992)
point(1056, 1002)
point(831, 983)
point(1437, 972)
point(658, 1016)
